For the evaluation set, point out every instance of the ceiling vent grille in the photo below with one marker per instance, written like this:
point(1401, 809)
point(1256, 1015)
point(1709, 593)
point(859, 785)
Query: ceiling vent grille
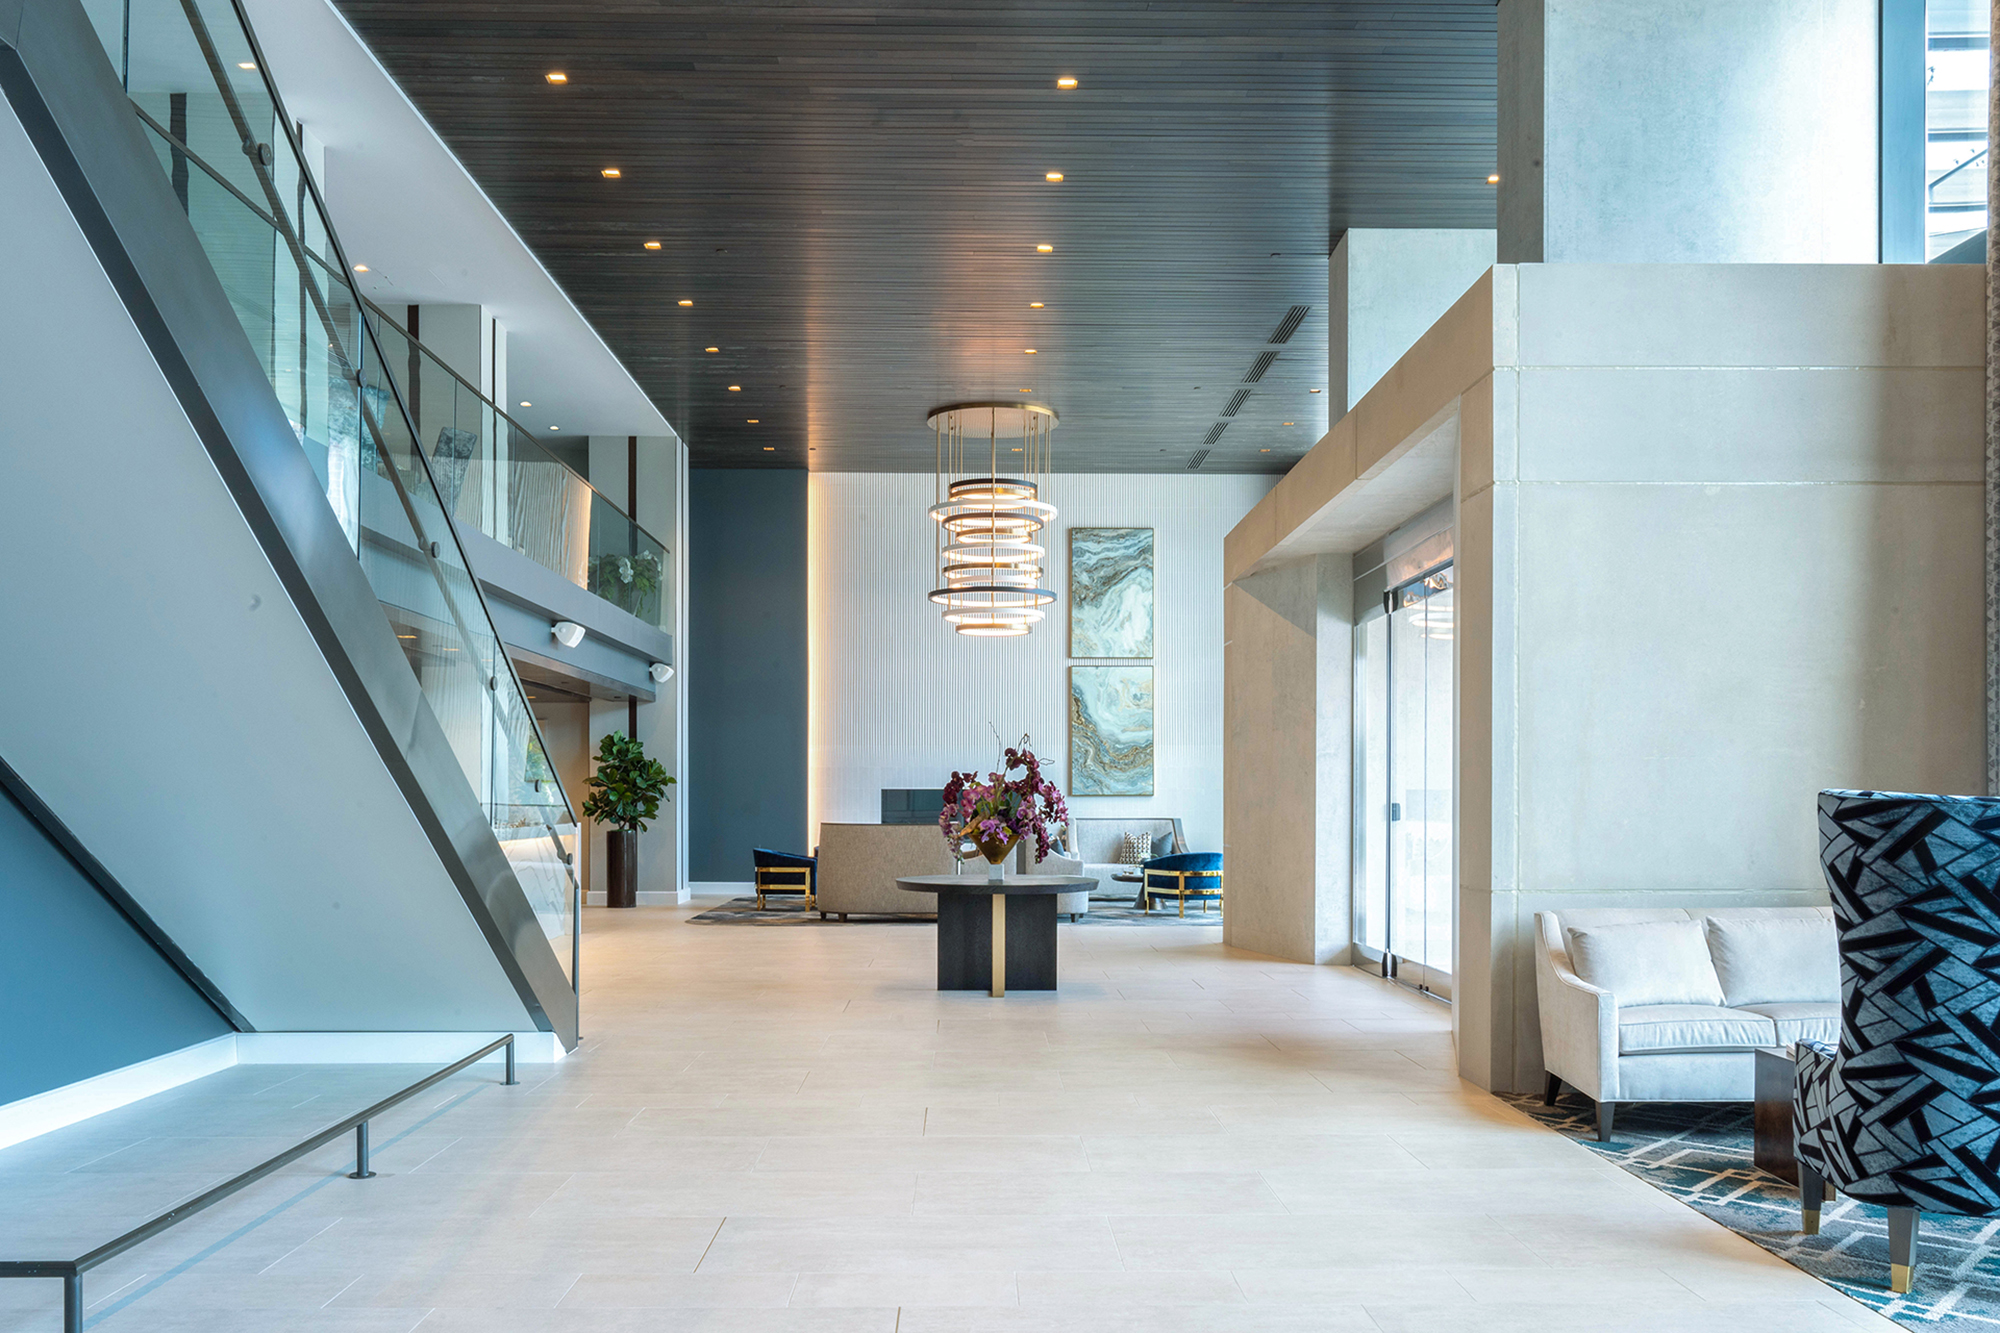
point(1215, 433)
point(1290, 323)
point(1259, 366)
point(1236, 403)
point(1197, 458)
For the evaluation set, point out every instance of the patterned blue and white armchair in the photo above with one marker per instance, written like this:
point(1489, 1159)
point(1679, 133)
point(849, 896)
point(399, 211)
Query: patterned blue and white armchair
point(1905, 1113)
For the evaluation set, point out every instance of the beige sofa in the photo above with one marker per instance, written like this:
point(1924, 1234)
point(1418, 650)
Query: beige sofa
point(859, 865)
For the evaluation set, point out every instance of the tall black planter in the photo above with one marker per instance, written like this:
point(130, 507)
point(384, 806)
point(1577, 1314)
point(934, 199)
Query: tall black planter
point(621, 868)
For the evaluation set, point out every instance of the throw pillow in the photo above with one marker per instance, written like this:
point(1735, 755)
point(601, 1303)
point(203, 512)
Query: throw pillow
point(1165, 845)
point(1775, 959)
point(1135, 848)
point(1650, 962)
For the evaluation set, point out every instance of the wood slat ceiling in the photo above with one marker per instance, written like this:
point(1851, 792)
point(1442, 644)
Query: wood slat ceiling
point(851, 195)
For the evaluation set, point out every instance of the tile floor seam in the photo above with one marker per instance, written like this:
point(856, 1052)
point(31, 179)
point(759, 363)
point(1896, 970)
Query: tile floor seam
point(343, 1291)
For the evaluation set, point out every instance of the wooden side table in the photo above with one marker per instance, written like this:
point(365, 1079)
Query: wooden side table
point(995, 933)
point(1775, 1150)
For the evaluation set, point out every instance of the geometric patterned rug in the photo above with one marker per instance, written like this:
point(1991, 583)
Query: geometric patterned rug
point(791, 912)
point(1701, 1154)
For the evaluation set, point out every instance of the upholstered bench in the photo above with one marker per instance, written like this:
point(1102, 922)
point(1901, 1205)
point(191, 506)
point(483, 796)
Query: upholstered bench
point(1642, 1005)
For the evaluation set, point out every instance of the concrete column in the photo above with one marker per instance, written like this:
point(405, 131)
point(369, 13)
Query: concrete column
point(1287, 805)
point(657, 506)
point(1688, 131)
point(1385, 288)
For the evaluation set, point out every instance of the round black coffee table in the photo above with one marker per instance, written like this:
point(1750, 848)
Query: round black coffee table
point(1007, 940)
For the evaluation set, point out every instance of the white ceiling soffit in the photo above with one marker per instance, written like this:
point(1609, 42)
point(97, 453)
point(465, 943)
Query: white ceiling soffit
point(407, 209)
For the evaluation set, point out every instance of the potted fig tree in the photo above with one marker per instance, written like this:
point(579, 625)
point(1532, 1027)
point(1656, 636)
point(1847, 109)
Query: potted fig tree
point(625, 792)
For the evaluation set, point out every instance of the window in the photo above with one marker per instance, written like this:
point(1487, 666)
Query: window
point(1957, 73)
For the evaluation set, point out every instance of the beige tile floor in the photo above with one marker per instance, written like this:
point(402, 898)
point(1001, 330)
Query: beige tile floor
point(788, 1131)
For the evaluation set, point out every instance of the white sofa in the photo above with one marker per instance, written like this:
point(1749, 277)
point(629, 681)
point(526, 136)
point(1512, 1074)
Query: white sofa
point(1667, 1005)
point(1094, 843)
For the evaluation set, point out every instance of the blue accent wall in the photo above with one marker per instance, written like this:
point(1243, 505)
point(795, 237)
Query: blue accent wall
point(83, 991)
point(746, 664)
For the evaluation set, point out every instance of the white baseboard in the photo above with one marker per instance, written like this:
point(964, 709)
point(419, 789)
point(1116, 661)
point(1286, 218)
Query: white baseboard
point(73, 1102)
point(108, 1091)
point(724, 888)
point(388, 1048)
point(647, 898)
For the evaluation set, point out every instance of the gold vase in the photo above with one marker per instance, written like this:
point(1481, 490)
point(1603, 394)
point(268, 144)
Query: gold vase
point(997, 852)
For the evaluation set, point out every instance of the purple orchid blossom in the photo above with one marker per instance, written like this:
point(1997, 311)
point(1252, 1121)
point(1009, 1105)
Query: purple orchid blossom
point(999, 808)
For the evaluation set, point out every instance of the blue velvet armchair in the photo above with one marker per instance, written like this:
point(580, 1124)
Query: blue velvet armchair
point(1183, 876)
point(785, 872)
point(1905, 1113)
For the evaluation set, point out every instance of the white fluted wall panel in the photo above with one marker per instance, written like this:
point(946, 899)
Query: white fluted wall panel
point(899, 700)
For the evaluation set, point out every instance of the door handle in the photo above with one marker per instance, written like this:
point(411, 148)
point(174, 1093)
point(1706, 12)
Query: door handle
point(1395, 811)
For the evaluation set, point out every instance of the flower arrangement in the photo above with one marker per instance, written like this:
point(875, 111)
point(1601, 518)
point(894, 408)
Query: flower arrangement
point(990, 817)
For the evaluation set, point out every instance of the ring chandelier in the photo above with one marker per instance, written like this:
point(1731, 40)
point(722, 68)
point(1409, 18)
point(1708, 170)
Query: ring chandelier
point(989, 563)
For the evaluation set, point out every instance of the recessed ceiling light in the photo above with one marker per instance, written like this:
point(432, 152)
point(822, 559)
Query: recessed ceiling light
point(361, 268)
point(526, 403)
point(1028, 350)
point(611, 173)
point(246, 64)
point(1016, 449)
point(736, 388)
point(770, 448)
point(1046, 249)
point(555, 428)
point(1493, 180)
point(1024, 391)
point(1034, 305)
point(1054, 176)
point(1066, 81)
point(687, 303)
point(556, 76)
point(1291, 423)
point(711, 349)
point(1263, 451)
point(750, 420)
point(652, 245)
point(1312, 390)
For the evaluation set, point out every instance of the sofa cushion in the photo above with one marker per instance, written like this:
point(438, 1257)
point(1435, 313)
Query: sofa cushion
point(1775, 960)
point(1649, 1029)
point(1805, 1021)
point(1656, 962)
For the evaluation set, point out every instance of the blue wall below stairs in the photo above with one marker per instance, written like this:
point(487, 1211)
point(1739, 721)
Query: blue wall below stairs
point(82, 990)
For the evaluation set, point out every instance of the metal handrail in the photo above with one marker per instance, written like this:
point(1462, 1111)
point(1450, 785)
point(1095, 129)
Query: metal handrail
point(523, 434)
point(71, 1271)
point(526, 436)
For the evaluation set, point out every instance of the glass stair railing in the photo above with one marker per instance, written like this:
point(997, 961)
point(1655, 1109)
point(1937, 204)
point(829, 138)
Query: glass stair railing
point(193, 73)
point(497, 479)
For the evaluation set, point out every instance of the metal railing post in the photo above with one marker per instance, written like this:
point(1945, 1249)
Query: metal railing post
point(360, 1171)
point(73, 1303)
point(511, 1080)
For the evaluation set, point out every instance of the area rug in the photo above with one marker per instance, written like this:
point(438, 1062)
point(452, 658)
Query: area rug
point(1702, 1156)
point(791, 912)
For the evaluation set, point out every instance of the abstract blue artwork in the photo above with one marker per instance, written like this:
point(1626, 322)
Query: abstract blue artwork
point(1110, 592)
point(1111, 731)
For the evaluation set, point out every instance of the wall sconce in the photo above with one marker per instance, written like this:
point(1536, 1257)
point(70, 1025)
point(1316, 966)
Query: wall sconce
point(568, 633)
point(661, 672)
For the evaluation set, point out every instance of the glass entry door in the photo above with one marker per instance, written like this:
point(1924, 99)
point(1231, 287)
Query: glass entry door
point(1405, 750)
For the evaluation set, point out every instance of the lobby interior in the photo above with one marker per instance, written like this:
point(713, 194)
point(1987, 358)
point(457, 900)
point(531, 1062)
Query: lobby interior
point(1441, 488)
